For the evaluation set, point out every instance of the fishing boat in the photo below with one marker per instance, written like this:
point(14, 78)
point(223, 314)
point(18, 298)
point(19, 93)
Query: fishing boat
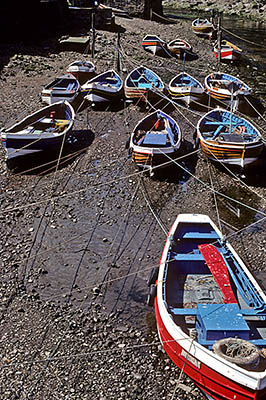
point(42, 131)
point(185, 88)
point(153, 44)
point(81, 70)
point(203, 27)
point(178, 47)
point(229, 51)
point(142, 84)
point(105, 87)
point(155, 139)
point(210, 311)
point(228, 138)
point(65, 87)
point(226, 88)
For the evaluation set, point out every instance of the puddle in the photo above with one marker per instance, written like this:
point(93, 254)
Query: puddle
point(237, 214)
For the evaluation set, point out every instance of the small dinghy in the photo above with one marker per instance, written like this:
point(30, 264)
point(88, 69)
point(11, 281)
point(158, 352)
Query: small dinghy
point(186, 88)
point(155, 138)
point(229, 139)
point(142, 84)
point(42, 131)
point(81, 70)
point(106, 87)
point(178, 47)
point(153, 44)
point(203, 27)
point(66, 87)
point(210, 311)
point(226, 88)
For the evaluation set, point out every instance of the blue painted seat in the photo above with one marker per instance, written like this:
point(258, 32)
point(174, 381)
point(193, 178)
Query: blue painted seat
point(183, 311)
point(188, 257)
point(200, 235)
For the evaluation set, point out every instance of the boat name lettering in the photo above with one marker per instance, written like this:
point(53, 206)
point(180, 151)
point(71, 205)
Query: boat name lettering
point(191, 359)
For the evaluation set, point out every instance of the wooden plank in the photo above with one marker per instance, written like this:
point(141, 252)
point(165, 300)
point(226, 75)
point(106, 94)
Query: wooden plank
point(218, 268)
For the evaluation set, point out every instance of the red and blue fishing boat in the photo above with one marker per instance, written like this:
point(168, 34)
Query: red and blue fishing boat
point(210, 311)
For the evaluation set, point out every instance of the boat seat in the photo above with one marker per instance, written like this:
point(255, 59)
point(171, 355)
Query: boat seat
point(183, 311)
point(200, 235)
point(253, 313)
point(189, 257)
point(145, 85)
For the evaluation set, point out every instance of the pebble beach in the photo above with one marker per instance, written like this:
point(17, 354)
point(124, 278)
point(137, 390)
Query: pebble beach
point(78, 239)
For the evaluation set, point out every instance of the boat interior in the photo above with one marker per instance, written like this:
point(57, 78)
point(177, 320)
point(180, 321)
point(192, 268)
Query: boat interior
point(217, 299)
point(48, 120)
point(185, 80)
point(144, 79)
point(110, 79)
point(63, 84)
point(156, 131)
point(227, 128)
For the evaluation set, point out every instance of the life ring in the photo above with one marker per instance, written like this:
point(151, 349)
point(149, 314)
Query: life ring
point(151, 295)
point(153, 276)
point(238, 351)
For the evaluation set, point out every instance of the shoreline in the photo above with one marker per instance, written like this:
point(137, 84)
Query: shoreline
point(240, 9)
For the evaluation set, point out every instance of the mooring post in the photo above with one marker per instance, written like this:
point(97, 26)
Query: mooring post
point(219, 40)
point(93, 33)
point(118, 53)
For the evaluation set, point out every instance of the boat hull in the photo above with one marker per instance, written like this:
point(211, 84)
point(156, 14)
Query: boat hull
point(104, 88)
point(143, 84)
point(231, 55)
point(16, 147)
point(238, 155)
point(51, 97)
point(211, 382)
point(148, 159)
point(96, 93)
point(154, 45)
point(186, 94)
point(142, 94)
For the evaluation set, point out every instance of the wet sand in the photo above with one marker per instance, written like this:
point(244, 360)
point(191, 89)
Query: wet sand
point(78, 241)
